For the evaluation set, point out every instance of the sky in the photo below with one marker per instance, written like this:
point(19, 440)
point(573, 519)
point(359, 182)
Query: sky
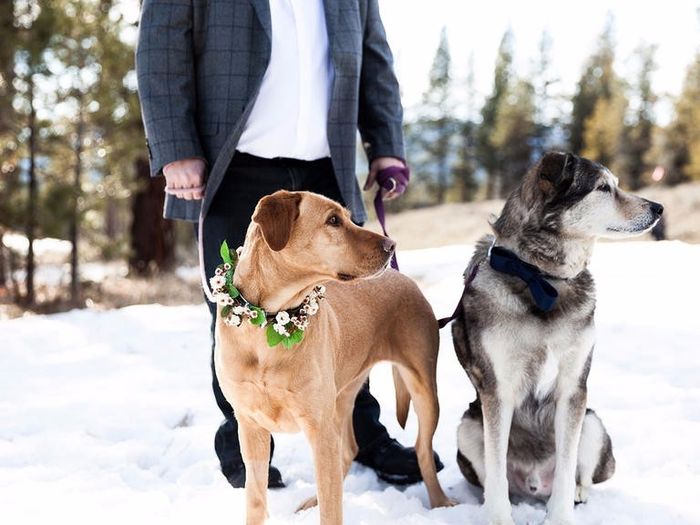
point(413, 29)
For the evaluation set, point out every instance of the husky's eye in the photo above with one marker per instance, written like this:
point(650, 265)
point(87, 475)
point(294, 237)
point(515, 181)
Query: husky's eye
point(605, 188)
point(333, 220)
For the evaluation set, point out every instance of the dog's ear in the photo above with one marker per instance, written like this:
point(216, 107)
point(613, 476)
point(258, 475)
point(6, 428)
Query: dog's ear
point(556, 172)
point(275, 215)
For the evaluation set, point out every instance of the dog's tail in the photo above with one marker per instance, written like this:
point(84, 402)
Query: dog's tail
point(403, 397)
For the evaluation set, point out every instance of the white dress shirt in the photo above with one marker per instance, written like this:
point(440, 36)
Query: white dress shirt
point(290, 115)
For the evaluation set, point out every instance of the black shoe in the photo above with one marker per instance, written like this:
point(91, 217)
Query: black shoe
point(237, 478)
point(393, 462)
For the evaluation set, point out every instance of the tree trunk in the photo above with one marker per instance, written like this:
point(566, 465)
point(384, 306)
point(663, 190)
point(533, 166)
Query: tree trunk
point(31, 201)
point(3, 264)
point(75, 217)
point(152, 236)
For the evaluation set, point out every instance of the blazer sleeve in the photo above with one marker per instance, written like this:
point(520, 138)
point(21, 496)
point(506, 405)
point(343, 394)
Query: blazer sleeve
point(166, 81)
point(380, 116)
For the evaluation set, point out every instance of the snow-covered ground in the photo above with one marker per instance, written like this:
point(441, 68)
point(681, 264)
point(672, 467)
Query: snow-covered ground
point(107, 417)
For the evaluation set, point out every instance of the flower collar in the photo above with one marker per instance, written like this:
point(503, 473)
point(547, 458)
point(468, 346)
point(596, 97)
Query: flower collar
point(286, 327)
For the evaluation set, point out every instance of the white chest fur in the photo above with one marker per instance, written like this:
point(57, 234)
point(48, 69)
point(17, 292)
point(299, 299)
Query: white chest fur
point(535, 358)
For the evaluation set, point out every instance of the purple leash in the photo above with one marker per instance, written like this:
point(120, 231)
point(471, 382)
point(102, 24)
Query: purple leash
point(393, 178)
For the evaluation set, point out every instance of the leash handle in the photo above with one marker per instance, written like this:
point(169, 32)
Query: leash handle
point(394, 179)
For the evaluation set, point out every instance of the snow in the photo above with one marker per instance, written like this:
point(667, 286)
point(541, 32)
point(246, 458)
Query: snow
point(108, 417)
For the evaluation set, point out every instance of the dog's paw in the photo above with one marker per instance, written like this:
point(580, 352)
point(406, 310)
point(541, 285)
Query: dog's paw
point(581, 495)
point(308, 504)
point(445, 502)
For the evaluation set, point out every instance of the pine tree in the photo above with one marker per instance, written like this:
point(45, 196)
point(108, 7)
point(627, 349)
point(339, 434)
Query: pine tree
point(682, 140)
point(436, 125)
point(542, 79)
point(35, 26)
point(597, 81)
point(465, 170)
point(514, 135)
point(486, 150)
point(640, 133)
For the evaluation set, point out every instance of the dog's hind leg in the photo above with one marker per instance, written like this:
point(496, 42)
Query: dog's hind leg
point(255, 449)
point(595, 460)
point(470, 449)
point(498, 415)
point(423, 390)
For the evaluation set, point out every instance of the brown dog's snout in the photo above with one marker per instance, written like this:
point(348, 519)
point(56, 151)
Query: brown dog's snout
point(388, 245)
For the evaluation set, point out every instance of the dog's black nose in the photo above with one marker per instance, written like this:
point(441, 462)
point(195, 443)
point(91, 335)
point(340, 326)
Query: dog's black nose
point(533, 488)
point(388, 245)
point(656, 208)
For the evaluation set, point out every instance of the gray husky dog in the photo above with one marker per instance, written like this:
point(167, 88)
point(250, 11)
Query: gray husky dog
point(524, 333)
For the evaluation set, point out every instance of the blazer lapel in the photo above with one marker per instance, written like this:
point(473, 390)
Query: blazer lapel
point(262, 9)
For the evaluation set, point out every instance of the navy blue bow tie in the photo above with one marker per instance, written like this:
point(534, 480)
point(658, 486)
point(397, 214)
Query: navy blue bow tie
point(543, 293)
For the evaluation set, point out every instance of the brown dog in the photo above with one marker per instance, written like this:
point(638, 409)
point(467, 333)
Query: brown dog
point(296, 241)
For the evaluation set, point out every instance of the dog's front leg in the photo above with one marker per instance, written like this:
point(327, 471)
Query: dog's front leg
point(498, 414)
point(325, 439)
point(568, 419)
point(255, 449)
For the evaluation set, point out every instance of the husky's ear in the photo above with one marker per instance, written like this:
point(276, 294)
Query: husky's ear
point(556, 172)
point(275, 215)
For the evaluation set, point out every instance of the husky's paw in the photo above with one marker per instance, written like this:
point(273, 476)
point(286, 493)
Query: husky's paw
point(308, 504)
point(581, 495)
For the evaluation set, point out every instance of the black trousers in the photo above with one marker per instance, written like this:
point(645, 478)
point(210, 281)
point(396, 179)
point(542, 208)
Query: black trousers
point(248, 179)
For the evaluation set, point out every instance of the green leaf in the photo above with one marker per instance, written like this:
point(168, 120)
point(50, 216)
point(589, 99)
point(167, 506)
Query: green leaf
point(260, 319)
point(225, 252)
point(232, 291)
point(226, 310)
point(287, 342)
point(273, 338)
point(297, 337)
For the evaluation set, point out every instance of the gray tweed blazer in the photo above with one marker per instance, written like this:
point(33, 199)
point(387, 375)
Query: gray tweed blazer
point(200, 64)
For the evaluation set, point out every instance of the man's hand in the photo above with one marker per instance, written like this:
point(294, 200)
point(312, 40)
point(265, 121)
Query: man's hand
point(379, 164)
point(185, 178)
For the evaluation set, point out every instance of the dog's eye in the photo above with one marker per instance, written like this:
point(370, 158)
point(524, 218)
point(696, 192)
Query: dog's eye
point(333, 220)
point(605, 188)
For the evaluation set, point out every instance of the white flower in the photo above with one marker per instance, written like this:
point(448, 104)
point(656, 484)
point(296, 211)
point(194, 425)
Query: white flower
point(282, 318)
point(227, 267)
point(218, 281)
point(312, 308)
point(221, 299)
point(229, 300)
point(253, 314)
point(238, 310)
point(320, 289)
point(219, 271)
point(280, 329)
point(232, 320)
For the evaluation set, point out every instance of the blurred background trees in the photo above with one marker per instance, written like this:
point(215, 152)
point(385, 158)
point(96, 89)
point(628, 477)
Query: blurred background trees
point(73, 163)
